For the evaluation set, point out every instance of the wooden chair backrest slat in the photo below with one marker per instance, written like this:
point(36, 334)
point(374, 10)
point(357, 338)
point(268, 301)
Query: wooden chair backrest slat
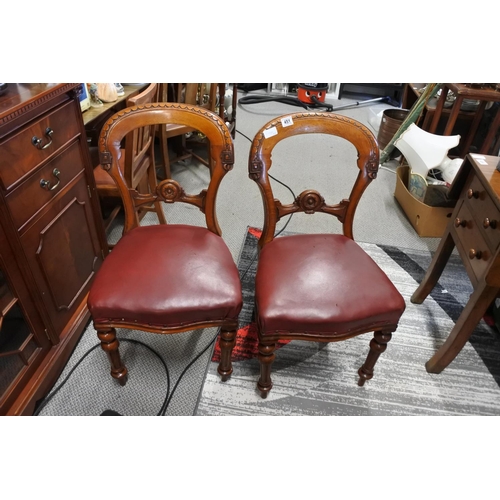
point(311, 201)
point(151, 115)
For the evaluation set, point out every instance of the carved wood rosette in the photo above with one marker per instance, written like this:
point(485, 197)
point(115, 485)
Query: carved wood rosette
point(311, 201)
point(170, 191)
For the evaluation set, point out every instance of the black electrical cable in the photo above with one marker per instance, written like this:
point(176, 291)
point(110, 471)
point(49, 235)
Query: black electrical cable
point(259, 98)
point(286, 223)
point(294, 101)
point(167, 401)
point(47, 399)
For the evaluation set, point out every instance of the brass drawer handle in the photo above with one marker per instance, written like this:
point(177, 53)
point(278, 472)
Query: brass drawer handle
point(38, 142)
point(460, 222)
point(475, 254)
point(46, 184)
point(489, 223)
point(472, 194)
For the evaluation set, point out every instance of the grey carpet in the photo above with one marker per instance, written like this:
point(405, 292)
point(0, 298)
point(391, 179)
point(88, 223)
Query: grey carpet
point(321, 379)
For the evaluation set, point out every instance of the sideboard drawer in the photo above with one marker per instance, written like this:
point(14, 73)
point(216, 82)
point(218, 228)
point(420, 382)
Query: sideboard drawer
point(475, 249)
point(20, 154)
point(485, 210)
point(28, 198)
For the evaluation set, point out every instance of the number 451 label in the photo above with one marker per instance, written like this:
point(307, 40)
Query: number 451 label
point(286, 121)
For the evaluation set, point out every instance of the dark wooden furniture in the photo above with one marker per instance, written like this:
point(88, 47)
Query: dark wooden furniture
point(51, 238)
point(439, 119)
point(208, 96)
point(319, 287)
point(411, 94)
point(167, 278)
point(195, 94)
point(367, 91)
point(467, 91)
point(474, 228)
point(137, 164)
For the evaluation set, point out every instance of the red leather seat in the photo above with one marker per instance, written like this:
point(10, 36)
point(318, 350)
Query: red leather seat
point(167, 276)
point(322, 284)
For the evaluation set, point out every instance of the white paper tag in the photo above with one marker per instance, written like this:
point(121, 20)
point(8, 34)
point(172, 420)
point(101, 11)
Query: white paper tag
point(481, 162)
point(270, 132)
point(286, 121)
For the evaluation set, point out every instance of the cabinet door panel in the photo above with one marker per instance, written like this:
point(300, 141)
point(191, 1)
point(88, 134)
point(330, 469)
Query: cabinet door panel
point(63, 253)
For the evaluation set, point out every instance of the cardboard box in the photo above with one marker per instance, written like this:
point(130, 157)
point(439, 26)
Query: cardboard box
point(427, 221)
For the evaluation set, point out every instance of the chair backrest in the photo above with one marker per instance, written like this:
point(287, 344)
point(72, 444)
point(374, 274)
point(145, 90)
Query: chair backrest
point(139, 144)
point(169, 190)
point(310, 201)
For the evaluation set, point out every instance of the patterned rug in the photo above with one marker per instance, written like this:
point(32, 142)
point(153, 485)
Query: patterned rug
point(320, 379)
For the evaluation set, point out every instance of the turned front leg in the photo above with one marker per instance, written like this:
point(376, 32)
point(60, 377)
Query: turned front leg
point(377, 346)
point(109, 344)
point(266, 358)
point(226, 343)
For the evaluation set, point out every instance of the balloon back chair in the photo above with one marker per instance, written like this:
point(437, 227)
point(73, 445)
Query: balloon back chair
point(166, 278)
point(318, 287)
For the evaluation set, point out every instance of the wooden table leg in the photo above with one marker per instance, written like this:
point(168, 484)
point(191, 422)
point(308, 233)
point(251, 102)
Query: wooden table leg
point(439, 110)
point(479, 301)
point(443, 252)
point(465, 146)
point(485, 147)
point(455, 110)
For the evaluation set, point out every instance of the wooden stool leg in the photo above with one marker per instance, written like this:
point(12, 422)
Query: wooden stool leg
point(266, 358)
point(109, 344)
point(377, 346)
point(226, 343)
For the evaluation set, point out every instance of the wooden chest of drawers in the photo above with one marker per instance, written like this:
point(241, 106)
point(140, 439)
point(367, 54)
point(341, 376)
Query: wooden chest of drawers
point(51, 238)
point(475, 231)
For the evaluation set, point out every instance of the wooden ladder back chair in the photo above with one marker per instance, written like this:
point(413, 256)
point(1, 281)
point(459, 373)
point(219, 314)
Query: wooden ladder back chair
point(203, 95)
point(137, 163)
point(167, 278)
point(318, 287)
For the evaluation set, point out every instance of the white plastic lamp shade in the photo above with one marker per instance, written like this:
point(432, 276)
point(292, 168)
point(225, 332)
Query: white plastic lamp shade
point(424, 151)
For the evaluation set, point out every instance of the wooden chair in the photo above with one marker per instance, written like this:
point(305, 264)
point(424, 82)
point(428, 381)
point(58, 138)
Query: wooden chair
point(137, 164)
point(198, 94)
point(318, 287)
point(166, 278)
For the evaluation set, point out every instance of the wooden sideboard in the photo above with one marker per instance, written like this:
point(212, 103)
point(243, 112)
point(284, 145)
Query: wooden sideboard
point(474, 229)
point(51, 238)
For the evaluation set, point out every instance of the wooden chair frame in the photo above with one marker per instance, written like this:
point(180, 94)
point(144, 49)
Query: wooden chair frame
point(168, 191)
point(311, 201)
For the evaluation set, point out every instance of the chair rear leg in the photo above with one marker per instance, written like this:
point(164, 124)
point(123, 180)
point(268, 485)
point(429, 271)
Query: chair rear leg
point(377, 346)
point(226, 343)
point(266, 358)
point(109, 344)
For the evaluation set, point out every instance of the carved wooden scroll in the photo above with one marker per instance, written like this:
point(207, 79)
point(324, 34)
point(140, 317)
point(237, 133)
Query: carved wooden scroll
point(311, 201)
